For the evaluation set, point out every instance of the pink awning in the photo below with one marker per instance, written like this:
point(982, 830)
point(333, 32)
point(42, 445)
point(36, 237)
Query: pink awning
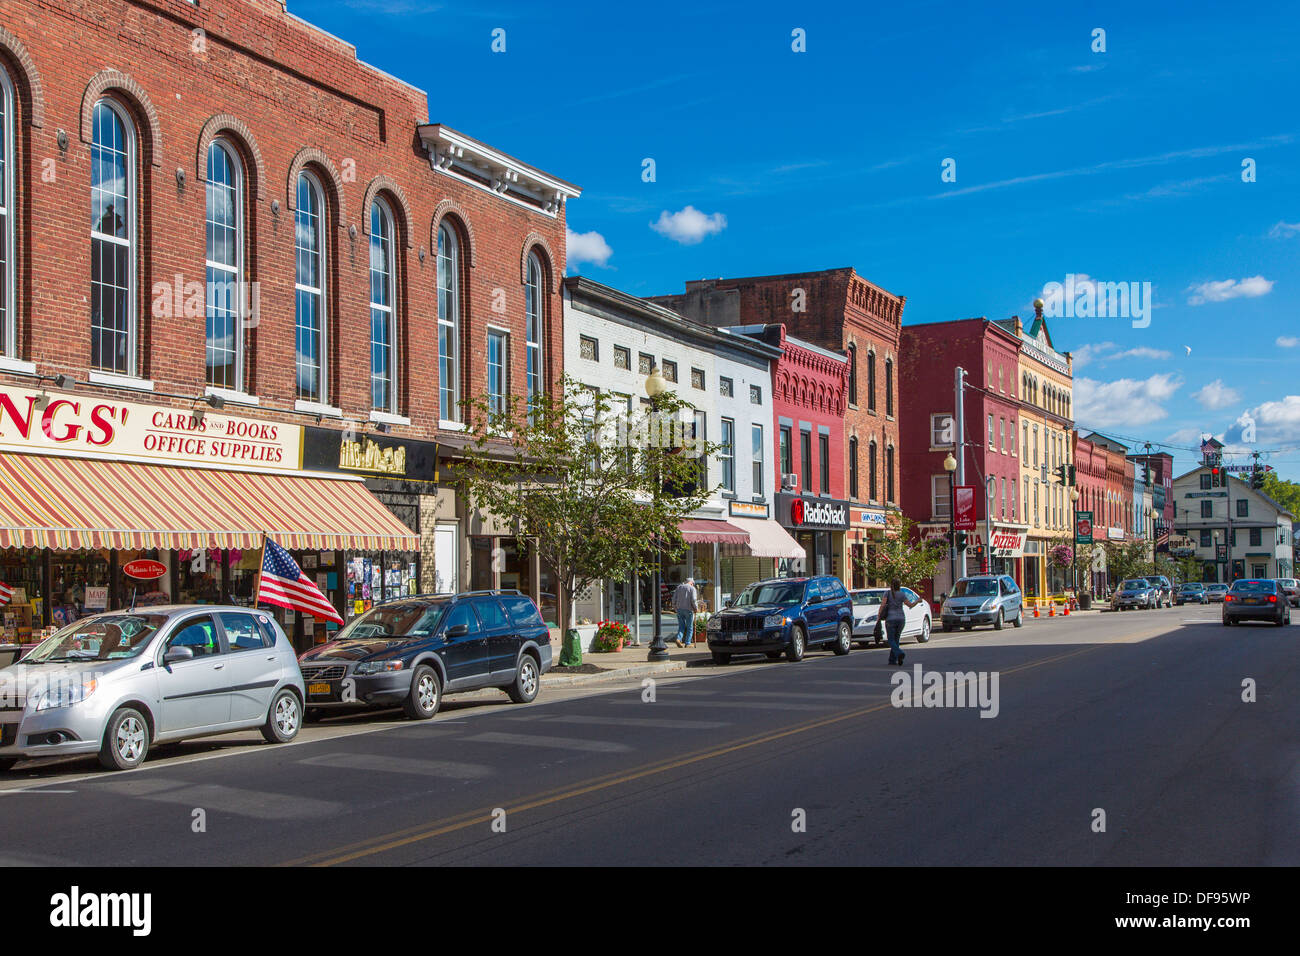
point(705, 531)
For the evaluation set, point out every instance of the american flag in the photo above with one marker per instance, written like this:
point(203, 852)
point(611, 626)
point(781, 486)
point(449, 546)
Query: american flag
point(284, 584)
point(6, 594)
point(1162, 534)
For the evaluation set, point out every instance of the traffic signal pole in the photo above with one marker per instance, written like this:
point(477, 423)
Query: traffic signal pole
point(959, 420)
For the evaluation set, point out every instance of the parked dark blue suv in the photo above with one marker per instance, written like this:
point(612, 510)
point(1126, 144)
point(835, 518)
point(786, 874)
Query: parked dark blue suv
point(412, 650)
point(784, 615)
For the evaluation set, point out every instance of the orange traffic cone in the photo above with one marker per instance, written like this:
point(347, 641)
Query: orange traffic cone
point(1051, 610)
point(1035, 610)
point(1066, 610)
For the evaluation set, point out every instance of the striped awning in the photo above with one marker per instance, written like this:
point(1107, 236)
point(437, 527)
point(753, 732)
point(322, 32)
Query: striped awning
point(83, 503)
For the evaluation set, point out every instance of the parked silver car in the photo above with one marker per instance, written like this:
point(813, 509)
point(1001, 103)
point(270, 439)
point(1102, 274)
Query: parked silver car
point(115, 684)
point(983, 599)
point(1135, 593)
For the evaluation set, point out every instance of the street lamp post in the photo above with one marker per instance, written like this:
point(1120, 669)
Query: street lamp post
point(989, 484)
point(950, 466)
point(655, 383)
point(1074, 550)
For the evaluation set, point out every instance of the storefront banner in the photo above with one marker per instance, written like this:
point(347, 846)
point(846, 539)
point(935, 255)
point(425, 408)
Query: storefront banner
point(1083, 527)
point(964, 497)
point(350, 452)
point(748, 509)
point(1008, 544)
point(65, 423)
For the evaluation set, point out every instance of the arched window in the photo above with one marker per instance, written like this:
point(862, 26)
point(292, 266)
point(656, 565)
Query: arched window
point(853, 375)
point(871, 381)
point(225, 265)
point(8, 341)
point(112, 240)
point(535, 316)
point(871, 471)
point(889, 389)
point(383, 327)
point(853, 467)
point(448, 323)
point(889, 474)
point(309, 290)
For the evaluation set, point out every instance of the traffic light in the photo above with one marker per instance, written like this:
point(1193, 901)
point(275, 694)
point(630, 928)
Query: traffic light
point(1218, 477)
point(961, 541)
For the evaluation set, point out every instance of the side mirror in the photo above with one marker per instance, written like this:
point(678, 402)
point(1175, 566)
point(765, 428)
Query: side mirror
point(175, 654)
point(457, 630)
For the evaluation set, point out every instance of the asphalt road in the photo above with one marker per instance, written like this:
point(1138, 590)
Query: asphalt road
point(1139, 715)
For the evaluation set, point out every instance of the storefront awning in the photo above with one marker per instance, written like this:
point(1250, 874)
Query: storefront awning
point(767, 539)
point(707, 531)
point(84, 503)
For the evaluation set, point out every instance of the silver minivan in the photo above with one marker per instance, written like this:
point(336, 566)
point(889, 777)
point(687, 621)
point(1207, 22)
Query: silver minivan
point(115, 684)
point(983, 599)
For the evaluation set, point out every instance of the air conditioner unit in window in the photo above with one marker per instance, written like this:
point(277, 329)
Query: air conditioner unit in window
point(789, 482)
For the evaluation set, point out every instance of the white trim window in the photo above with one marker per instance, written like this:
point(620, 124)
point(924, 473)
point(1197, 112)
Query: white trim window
point(498, 370)
point(448, 323)
point(727, 455)
point(756, 434)
point(309, 291)
point(112, 241)
point(224, 228)
point(535, 316)
point(8, 339)
point(383, 298)
point(940, 498)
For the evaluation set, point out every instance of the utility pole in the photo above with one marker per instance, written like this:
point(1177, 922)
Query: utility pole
point(959, 415)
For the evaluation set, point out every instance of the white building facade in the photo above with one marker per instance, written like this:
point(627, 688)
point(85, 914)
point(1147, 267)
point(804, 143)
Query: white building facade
point(612, 341)
point(1238, 531)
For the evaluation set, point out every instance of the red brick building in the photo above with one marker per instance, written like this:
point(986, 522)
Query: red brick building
point(837, 310)
point(989, 354)
point(219, 205)
point(1091, 466)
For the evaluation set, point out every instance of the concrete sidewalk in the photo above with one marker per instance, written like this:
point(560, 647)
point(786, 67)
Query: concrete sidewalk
point(631, 661)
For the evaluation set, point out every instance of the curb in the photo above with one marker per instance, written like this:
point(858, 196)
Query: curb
point(632, 670)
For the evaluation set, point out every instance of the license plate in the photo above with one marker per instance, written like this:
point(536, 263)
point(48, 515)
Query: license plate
point(740, 636)
point(965, 617)
point(322, 688)
point(1254, 600)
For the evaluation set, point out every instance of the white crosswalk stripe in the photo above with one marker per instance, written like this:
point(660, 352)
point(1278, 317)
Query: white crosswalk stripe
point(556, 743)
point(663, 723)
point(406, 765)
point(217, 799)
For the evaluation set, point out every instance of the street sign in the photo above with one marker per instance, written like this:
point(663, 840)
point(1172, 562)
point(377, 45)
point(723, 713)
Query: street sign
point(1221, 553)
point(1083, 527)
point(144, 569)
point(964, 496)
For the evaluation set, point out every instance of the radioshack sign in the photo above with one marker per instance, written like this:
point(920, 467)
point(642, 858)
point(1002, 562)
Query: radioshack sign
point(816, 513)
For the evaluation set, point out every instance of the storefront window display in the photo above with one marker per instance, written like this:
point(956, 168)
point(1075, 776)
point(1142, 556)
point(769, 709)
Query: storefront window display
point(79, 584)
point(378, 576)
point(23, 571)
point(146, 593)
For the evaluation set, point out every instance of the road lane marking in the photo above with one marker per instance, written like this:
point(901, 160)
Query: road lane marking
point(661, 723)
point(553, 743)
point(482, 817)
point(404, 765)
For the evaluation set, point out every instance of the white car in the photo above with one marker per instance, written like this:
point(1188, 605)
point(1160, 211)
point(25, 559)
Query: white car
point(866, 616)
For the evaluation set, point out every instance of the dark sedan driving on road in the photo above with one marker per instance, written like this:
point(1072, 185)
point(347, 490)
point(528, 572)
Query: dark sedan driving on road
point(1256, 599)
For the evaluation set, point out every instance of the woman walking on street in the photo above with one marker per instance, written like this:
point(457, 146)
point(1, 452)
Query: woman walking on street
point(894, 610)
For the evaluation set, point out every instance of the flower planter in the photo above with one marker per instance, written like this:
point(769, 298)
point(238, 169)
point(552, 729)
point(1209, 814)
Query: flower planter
point(587, 633)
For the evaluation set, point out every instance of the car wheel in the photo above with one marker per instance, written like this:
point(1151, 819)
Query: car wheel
point(721, 659)
point(284, 719)
point(967, 627)
point(924, 636)
point(1227, 621)
point(527, 681)
point(997, 621)
point(1020, 618)
point(845, 641)
point(798, 640)
point(126, 740)
point(425, 695)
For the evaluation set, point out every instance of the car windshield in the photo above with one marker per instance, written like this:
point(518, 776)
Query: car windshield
point(1254, 587)
point(868, 598)
point(108, 638)
point(975, 587)
point(770, 594)
point(1192, 587)
point(402, 622)
point(1136, 584)
point(1216, 587)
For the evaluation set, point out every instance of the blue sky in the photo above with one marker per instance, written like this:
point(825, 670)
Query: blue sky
point(1125, 166)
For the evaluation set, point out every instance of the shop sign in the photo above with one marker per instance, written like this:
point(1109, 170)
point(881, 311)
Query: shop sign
point(368, 455)
point(1008, 543)
point(1083, 527)
point(344, 450)
point(35, 421)
point(874, 518)
point(1181, 546)
point(748, 509)
point(1115, 534)
point(144, 568)
point(96, 599)
point(818, 513)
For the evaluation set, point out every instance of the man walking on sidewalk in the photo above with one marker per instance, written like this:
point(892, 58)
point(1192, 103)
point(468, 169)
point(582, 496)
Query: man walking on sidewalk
point(684, 601)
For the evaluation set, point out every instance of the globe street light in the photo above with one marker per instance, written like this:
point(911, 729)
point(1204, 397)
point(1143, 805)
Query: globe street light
point(655, 384)
point(950, 466)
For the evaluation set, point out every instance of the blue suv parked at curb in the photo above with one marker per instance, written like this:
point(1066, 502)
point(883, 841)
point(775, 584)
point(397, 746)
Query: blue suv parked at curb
point(784, 616)
point(411, 651)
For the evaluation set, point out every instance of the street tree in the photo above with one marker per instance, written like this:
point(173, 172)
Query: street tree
point(588, 486)
point(899, 556)
point(1128, 559)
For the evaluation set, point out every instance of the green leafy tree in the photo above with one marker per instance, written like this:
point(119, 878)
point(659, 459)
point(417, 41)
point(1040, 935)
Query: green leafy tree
point(589, 486)
point(1286, 493)
point(1128, 559)
point(899, 556)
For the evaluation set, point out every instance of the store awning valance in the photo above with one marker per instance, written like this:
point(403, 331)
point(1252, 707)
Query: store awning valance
point(82, 503)
point(767, 539)
point(709, 531)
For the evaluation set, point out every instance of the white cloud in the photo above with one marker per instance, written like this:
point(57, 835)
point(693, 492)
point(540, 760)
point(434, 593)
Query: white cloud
point(1223, 289)
point(1288, 341)
point(587, 247)
point(1284, 230)
point(1090, 353)
point(1216, 395)
point(1104, 352)
point(1142, 351)
point(1124, 402)
point(689, 226)
point(1053, 293)
point(1277, 424)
